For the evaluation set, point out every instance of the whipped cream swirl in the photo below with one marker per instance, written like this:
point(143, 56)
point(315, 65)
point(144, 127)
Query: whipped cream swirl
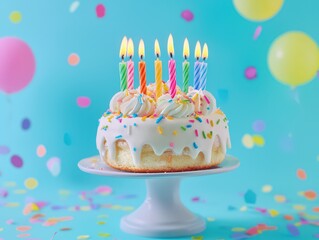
point(204, 101)
point(179, 107)
point(132, 103)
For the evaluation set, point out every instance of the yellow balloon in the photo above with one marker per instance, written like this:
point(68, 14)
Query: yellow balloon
point(258, 10)
point(293, 58)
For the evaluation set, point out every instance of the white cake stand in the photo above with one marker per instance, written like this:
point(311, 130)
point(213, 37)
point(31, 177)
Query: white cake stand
point(162, 214)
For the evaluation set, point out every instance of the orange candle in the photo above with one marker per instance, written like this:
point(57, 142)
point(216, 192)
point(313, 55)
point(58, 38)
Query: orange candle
point(142, 68)
point(158, 71)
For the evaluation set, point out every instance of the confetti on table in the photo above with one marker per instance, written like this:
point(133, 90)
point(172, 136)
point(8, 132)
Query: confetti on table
point(15, 17)
point(16, 161)
point(4, 150)
point(74, 6)
point(31, 183)
point(187, 15)
point(100, 10)
point(250, 197)
point(73, 59)
point(250, 73)
point(293, 230)
point(41, 151)
point(257, 32)
point(259, 126)
point(25, 124)
point(54, 166)
point(83, 101)
point(247, 141)
point(301, 174)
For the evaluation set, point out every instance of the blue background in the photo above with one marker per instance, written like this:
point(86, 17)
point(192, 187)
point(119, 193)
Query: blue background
point(53, 33)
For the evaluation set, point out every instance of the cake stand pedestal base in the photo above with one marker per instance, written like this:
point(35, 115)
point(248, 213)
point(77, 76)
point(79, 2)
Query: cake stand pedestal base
point(162, 214)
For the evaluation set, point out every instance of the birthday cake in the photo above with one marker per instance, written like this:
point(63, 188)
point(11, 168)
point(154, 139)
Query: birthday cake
point(161, 128)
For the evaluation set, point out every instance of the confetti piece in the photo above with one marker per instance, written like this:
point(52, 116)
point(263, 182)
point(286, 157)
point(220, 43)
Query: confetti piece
point(197, 238)
point(104, 235)
point(25, 124)
point(238, 229)
point(187, 15)
point(171, 144)
point(243, 209)
point(250, 73)
point(247, 141)
point(100, 10)
point(315, 209)
point(159, 119)
point(4, 150)
point(288, 217)
point(257, 32)
point(310, 195)
point(159, 129)
point(73, 59)
point(3, 193)
point(54, 166)
point(210, 219)
point(293, 230)
point(267, 188)
point(41, 151)
point(83, 237)
point(250, 197)
point(23, 235)
point(31, 183)
point(273, 212)
point(15, 17)
point(16, 161)
point(301, 174)
point(103, 190)
point(258, 140)
point(83, 101)
point(259, 126)
point(23, 228)
point(195, 145)
point(67, 139)
point(280, 198)
point(74, 6)
point(299, 207)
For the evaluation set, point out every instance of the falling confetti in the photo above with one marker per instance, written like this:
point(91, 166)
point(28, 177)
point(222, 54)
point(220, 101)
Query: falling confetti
point(250, 73)
point(250, 197)
point(257, 32)
point(4, 150)
point(41, 151)
point(15, 17)
point(26, 123)
point(100, 10)
point(187, 15)
point(31, 183)
point(73, 59)
point(258, 140)
point(259, 126)
point(83, 101)
point(67, 139)
point(267, 188)
point(83, 237)
point(16, 161)
point(280, 198)
point(54, 166)
point(310, 195)
point(301, 174)
point(23, 228)
point(247, 141)
point(103, 190)
point(74, 6)
point(293, 230)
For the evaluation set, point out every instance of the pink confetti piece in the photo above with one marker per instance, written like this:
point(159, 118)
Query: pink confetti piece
point(171, 144)
point(257, 32)
point(83, 101)
point(293, 230)
point(207, 100)
point(23, 228)
point(100, 10)
point(187, 15)
point(103, 190)
point(16, 161)
point(250, 73)
point(3, 193)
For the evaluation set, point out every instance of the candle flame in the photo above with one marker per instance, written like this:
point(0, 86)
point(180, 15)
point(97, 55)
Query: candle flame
point(197, 50)
point(123, 47)
point(141, 49)
point(205, 52)
point(157, 48)
point(170, 45)
point(130, 48)
point(186, 48)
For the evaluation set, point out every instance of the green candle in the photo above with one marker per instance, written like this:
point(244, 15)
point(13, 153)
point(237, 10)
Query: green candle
point(123, 75)
point(185, 66)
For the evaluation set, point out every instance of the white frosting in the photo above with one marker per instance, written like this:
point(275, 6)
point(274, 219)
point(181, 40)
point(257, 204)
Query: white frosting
point(204, 101)
point(162, 134)
point(179, 107)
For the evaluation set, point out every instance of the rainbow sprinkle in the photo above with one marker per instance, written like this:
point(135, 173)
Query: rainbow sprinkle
point(183, 128)
point(118, 136)
point(204, 135)
point(212, 123)
point(192, 121)
point(196, 133)
point(144, 118)
point(174, 132)
point(159, 119)
point(218, 121)
point(125, 126)
point(195, 145)
point(134, 149)
point(207, 100)
point(135, 125)
point(198, 119)
point(209, 135)
point(134, 115)
point(119, 116)
point(160, 130)
point(169, 117)
point(171, 144)
point(189, 125)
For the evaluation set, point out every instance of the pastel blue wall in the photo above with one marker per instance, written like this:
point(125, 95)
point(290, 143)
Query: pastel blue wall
point(49, 102)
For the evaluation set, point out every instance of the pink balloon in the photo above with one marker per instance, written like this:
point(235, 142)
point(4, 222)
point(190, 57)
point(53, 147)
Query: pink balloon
point(17, 64)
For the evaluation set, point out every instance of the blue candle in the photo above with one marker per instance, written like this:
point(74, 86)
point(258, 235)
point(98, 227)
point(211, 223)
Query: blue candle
point(197, 66)
point(203, 68)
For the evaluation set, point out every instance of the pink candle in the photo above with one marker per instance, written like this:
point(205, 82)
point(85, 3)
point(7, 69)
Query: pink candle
point(172, 77)
point(130, 65)
point(130, 74)
point(171, 67)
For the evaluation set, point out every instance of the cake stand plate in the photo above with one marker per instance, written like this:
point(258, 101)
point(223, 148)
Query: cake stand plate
point(162, 214)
